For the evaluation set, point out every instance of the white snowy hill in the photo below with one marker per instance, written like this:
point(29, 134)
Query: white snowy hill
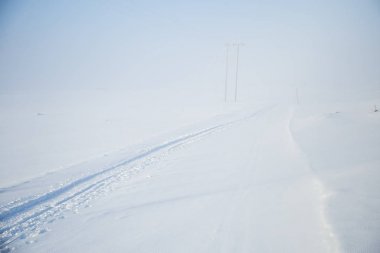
point(269, 177)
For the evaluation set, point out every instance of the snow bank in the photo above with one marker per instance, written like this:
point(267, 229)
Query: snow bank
point(342, 142)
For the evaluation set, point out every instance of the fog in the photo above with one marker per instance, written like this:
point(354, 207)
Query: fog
point(82, 78)
point(116, 135)
point(318, 46)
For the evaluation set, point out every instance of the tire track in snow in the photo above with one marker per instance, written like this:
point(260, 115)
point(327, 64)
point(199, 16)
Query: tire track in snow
point(18, 219)
point(225, 230)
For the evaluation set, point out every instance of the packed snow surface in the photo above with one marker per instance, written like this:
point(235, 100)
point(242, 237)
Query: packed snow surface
point(265, 178)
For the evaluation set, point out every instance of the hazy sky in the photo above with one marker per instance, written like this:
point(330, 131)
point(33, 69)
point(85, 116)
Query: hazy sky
point(55, 45)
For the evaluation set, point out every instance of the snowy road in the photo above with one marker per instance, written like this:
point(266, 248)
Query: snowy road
point(238, 186)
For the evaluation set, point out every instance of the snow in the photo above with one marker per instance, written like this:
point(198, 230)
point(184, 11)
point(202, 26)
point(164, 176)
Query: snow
point(342, 143)
point(53, 130)
point(268, 177)
point(115, 135)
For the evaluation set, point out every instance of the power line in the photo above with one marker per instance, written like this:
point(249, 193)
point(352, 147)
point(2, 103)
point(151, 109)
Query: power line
point(226, 76)
point(237, 45)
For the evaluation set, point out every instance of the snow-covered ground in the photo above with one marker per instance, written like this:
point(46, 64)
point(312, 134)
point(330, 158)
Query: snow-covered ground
point(115, 135)
point(268, 177)
point(53, 130)
point(342, 143)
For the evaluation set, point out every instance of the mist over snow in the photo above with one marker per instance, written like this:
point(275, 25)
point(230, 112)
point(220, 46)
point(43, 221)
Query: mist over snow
point(115, 134)
point(145, 44)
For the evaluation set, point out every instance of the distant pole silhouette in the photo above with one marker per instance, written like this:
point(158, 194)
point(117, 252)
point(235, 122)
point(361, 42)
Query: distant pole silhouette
point(297, 97)
point(237, 68)
point(226, 76)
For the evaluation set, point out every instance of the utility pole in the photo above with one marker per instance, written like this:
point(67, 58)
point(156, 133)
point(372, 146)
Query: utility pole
point(226, 77)
point(237, 67)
